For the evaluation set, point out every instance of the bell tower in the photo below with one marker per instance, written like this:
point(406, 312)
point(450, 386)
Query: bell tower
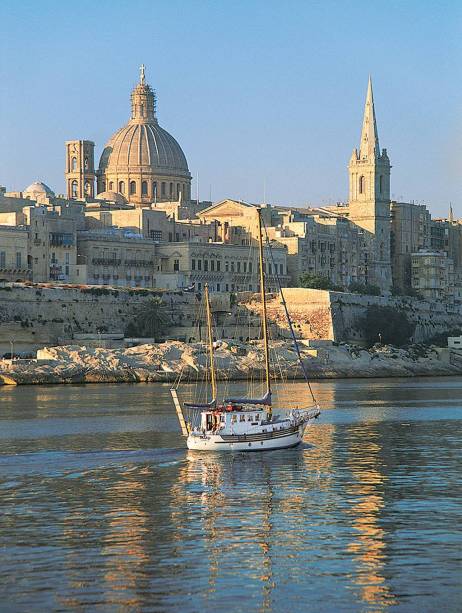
point(80, 169)
point(369, 200)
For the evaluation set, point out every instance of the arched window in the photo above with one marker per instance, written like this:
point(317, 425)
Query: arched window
point(103, 186)
point(85, 163)
point(361, 184)
point(87, 187)
point(380, 184)
point(132, 187)
point(154, 190)
point(74, 188)
point(74, 164)
point(111, 186)
point(144, 188)
point(171, 189)
point(121, 187)
point(163, 188)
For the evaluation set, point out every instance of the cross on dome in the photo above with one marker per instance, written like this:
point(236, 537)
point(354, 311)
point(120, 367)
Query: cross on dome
point(142, 73)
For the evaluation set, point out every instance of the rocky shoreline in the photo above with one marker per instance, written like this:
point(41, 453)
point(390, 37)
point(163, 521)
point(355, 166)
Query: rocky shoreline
point(166, 362)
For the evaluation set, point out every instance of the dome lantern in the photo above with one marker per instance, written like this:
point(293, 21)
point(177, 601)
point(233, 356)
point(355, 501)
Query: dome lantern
point(143, 100)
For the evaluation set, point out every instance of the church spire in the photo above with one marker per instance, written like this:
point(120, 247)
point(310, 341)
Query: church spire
point(369, 146)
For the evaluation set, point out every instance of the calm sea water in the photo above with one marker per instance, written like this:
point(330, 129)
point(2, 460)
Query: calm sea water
point(103, 509)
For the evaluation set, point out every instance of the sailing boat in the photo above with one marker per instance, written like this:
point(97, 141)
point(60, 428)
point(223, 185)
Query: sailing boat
point(245, 424)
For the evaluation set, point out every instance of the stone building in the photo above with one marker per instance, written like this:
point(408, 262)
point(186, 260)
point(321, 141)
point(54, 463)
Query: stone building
point(225, 267)
point(141, 161)
point(433, 275)
point(116, 258)
point(53, 242)
point(14, 253)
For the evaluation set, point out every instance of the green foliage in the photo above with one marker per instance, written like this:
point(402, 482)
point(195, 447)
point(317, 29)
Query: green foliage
point(150, 320)
point(311, 281)
point(405, 291)
point(96, 291)
point(387, 325)
point(366, 290)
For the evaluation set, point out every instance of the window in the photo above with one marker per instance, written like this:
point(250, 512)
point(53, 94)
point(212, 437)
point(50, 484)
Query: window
point(227, 287)
point(241, 417)
point(281, 269)
point(74, 164)
point(199, 264)
point(361, 185)
point(87, 187)
point(218, 266)
point(226, 266)
point(156, 235)
point(74, 188)
point(2, 259)
point(206, 265)
point(85, 163)
point(238, 267)
point(199, 286)
point(176, 265)
point(193, 264)
point(212, 265)
point(218, 287)
point(171, 189)
point(121, 187)
point(111, 186)
point(380, 184)
point(163, 188)
point(154, 189)
point(144, 188)
point(250, 266)
point(245, 266)
point(132, 187)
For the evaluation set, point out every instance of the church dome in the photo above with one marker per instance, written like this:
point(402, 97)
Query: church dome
point(142, 160)
point(37, 188)
point(112, 197)
point(147, 145)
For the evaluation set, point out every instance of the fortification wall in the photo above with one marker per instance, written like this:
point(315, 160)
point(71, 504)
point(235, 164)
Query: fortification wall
point(34, 316)
point(337, 315)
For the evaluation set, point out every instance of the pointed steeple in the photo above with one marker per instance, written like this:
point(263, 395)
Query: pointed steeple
point(369, 147)
point(451, 213)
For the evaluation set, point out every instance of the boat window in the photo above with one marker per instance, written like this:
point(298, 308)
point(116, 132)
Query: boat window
point(250, 418)
point(222, 418)
point(241, 417)
point(257, 417)
point(233, 419)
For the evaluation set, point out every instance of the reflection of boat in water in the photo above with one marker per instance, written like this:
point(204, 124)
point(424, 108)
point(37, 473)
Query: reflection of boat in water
point(245, 424)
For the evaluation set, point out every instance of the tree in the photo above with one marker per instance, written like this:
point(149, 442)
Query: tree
point(311, 281)
point(365, 289)
point(150, 319)
point(387, 325)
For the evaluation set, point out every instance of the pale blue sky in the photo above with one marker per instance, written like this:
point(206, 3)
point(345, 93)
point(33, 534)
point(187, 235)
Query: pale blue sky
point(255, 91)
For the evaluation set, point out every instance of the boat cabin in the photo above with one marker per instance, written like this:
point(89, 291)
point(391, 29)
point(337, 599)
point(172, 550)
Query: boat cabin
point(237, 417)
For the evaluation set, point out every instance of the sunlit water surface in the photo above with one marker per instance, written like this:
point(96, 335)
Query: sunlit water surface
point(103, 509)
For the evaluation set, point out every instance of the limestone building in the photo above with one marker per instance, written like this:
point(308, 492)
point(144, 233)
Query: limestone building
point(141, 161)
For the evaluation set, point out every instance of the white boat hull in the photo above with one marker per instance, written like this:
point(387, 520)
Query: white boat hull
point(274, 440)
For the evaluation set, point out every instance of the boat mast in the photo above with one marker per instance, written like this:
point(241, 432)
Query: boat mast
point(213, 378)
point(264, 315)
